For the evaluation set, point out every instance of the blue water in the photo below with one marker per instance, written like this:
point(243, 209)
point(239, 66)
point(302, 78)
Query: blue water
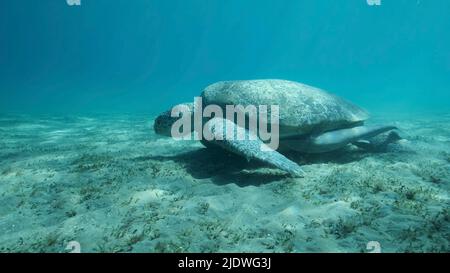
point(143, 56)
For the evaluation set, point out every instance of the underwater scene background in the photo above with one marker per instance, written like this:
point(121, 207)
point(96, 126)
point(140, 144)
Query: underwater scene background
point(81, 86)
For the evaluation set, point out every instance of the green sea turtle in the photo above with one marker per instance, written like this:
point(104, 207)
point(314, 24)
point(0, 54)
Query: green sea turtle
point(310, 120)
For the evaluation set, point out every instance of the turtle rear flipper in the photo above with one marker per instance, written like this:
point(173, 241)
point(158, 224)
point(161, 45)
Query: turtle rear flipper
point(378, 143)
point(242, 142)
point(335, 139)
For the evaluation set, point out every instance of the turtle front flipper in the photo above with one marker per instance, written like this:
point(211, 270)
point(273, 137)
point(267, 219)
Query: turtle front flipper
point(231, 137)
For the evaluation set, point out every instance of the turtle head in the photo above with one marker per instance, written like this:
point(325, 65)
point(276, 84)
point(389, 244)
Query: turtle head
point(165, 121)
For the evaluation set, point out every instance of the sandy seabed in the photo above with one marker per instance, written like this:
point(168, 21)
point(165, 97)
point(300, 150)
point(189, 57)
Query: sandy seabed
point(111, 184)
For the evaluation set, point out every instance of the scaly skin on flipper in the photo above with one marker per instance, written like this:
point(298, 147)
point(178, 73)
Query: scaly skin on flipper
point(248, 147)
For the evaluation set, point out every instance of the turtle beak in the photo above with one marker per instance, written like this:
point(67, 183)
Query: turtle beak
point(160, 126)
